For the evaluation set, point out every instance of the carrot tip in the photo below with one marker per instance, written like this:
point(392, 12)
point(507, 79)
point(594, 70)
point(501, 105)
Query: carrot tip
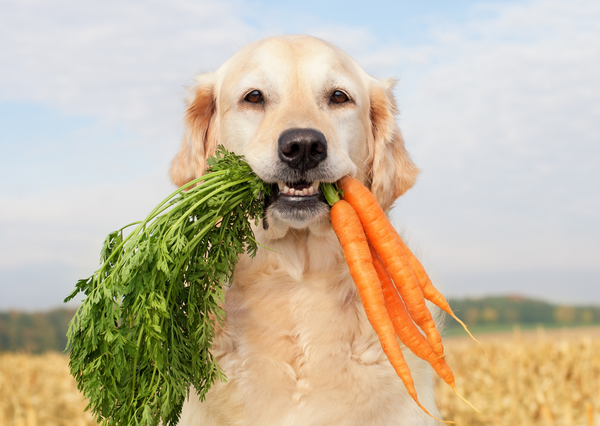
point(429, 414)
point(472, 337)
point(465, 399)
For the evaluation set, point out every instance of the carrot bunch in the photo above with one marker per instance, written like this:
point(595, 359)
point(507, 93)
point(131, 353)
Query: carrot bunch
point(391, 282)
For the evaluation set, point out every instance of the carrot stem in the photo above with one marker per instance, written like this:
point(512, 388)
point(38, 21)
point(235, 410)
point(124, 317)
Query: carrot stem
point(331, 192)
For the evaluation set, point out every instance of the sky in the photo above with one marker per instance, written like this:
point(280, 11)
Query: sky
point(499, 101)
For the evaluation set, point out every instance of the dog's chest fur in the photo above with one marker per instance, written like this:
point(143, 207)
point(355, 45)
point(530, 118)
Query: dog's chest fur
point(297, 348)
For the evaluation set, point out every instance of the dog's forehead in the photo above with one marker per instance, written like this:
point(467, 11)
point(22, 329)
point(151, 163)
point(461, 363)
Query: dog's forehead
point(289, 61)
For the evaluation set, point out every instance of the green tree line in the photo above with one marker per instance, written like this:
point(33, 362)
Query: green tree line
point(34, 332)
point(46, 331)
point(503, 310)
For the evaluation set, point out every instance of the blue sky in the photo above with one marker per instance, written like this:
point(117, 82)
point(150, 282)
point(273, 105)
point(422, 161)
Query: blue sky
point(407, 22)
point(500, 107)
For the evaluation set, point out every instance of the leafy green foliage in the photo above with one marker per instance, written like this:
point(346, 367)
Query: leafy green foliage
point(143, 333)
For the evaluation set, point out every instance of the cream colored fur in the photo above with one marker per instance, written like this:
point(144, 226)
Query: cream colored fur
point(296, 346)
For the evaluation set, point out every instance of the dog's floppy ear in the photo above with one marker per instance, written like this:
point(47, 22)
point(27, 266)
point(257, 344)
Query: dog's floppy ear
point(200, 137)
point(391, 170)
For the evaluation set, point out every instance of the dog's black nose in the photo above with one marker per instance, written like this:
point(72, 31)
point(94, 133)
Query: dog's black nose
point(302, 149)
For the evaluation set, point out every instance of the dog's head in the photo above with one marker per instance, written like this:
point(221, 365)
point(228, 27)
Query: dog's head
point(301, 111)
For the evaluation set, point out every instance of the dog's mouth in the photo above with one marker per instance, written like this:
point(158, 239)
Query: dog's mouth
point(296, 195)
point(296, 203)
point(298, 189)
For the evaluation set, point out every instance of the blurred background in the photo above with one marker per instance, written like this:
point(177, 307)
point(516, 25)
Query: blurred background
point(500, 108)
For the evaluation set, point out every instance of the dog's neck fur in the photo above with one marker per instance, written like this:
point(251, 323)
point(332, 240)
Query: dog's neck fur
point(297, 348)
point(300, 251)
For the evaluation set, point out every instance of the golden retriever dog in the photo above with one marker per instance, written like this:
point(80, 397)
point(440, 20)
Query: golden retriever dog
point(296, 346)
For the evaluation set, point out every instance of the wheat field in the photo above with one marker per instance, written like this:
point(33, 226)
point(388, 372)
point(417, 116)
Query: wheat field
point(37, 390)
point(550, 379)
point(544, 379)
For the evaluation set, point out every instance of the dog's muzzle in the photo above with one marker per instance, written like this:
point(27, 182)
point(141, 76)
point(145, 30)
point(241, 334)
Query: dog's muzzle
point(297, 198)
point(302, 149)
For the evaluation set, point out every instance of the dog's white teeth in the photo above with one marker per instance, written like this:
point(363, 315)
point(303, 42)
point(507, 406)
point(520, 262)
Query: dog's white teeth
point(312, 189)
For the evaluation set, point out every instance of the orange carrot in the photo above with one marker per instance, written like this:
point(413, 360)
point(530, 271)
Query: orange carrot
point(382, 236)
point(406, 330)
point(355, 193)
point(348, 228)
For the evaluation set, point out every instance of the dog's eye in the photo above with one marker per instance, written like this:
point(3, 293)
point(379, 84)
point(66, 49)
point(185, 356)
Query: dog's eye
point(254, 97)
point(339, 97)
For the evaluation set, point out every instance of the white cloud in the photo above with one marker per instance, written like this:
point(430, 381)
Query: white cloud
point(505, 122)
point(68, 225)
point(125, 62)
